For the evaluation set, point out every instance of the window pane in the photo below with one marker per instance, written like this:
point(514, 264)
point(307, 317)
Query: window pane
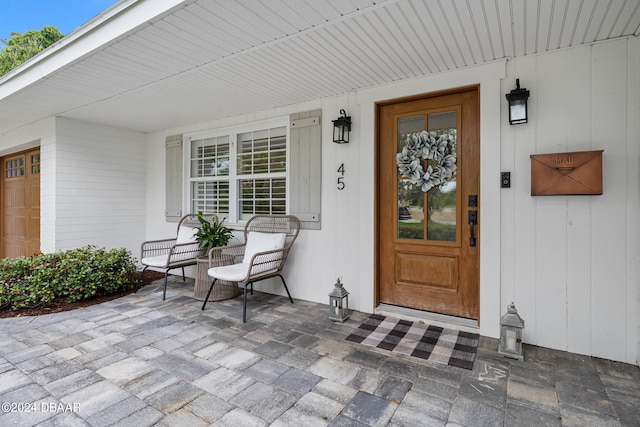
point(278, 161)
point(278, 207)
point(35, 164)
point(211, 197)
point(279, 188)
point(262, 196)
point(245, 162)
point(261, 140)
point(245, 143)
point(261, 162)
point(210, 157)
point(14, 168)
point(278, 150)
point(260, 180)
point(262, 152)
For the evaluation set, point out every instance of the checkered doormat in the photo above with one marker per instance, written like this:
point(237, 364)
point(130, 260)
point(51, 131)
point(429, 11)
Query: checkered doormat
point(448, 346)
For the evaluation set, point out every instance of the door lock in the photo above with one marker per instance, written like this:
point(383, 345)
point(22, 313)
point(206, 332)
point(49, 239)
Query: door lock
point(473, 220)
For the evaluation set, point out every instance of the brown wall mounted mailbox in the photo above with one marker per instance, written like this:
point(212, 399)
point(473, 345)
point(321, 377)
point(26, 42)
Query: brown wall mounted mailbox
point(566, 173)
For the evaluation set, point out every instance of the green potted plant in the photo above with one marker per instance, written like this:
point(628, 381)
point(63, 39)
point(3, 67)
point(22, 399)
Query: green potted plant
point(212, 234)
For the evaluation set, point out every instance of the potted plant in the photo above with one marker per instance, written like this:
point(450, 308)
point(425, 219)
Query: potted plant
point(212, 233)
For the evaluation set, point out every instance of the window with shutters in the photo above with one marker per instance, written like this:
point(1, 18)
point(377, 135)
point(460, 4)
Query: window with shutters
point(240, 172)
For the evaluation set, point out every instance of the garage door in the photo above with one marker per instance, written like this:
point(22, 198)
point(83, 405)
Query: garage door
point(21, 204)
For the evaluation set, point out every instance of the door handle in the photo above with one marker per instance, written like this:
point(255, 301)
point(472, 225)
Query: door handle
point(473, 220)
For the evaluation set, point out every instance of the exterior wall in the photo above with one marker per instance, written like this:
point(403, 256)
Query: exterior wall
point(570, 263)
point(345, 244)
point(99, 191)
point(314, 263)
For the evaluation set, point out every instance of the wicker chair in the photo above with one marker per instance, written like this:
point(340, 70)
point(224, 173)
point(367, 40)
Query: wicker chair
point(178, 252)
point(267, 241)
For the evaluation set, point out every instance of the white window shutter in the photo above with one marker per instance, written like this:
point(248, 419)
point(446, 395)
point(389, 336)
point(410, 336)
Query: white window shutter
point(173, 151)
point(306, 154)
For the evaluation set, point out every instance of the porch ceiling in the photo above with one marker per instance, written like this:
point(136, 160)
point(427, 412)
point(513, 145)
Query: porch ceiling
point(199, 60)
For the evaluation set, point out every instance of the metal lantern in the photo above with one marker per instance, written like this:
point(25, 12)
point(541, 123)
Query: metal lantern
point(517, 98)
point(339, 303)
point(341, 128)
point(511, 325)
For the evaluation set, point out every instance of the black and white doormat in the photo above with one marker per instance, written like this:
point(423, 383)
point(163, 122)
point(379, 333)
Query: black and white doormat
point(442, 345)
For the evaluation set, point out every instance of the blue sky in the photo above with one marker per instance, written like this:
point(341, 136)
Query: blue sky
point(66, 15)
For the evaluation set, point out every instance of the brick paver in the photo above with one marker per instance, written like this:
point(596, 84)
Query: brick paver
point(141, 361)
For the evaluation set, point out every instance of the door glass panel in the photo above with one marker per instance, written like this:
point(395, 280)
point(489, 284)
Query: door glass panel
point(442, 198)
point(35, 164)
point(426, 161)
point(410, 196)
point(410, 211)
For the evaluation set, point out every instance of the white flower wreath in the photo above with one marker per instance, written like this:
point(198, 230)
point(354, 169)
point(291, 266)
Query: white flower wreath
point(439, 151)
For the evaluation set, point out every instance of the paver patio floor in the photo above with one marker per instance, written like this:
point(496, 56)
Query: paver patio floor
point(140, 361)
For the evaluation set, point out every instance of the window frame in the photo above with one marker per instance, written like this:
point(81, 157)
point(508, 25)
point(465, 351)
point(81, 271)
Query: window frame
point(234, 178)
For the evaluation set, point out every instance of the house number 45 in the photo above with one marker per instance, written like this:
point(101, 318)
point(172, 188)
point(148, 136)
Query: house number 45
point(341, 177)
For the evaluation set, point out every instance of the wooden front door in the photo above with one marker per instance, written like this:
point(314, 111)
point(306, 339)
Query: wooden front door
point(21, 204)
point(428, 159)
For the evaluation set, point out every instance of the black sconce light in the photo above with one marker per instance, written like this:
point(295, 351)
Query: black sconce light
point(518, 105)
point(341, 128)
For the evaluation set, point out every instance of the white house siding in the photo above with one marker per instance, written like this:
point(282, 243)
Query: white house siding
point(319, 257)
point(99, 187)
point(345, 244)
point(569, 263)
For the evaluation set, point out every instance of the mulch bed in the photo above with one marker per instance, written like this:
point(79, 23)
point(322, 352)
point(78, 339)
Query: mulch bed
point(57, 307)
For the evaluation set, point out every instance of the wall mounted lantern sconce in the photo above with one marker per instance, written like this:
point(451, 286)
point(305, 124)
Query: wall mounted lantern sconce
point(341, 128)
point(511, 325)
point(339, 303)
point(517, 98)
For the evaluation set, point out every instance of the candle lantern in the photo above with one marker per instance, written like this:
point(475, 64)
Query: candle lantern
point(511, 325)
point(518, 112)
point(341, 128)
point(339, 303)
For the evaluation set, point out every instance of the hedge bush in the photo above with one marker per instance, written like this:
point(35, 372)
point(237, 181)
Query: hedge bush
point(69, 276)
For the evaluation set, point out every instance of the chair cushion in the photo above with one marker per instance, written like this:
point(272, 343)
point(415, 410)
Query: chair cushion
point(262, 242)
point(155, 261)
point(231, 273)
point(162, 260)
point(236, 272)
point(186, 234)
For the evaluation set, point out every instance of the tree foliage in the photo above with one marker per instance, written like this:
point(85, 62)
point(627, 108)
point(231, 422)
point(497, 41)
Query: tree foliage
point(20, 47)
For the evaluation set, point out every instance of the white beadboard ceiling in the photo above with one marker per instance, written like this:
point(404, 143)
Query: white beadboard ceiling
point(205, 59)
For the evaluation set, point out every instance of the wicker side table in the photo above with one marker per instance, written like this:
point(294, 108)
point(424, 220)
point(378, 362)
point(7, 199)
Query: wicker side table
point(222, 290)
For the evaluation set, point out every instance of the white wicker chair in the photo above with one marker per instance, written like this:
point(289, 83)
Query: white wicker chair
point(178, 252)
point(267, 241)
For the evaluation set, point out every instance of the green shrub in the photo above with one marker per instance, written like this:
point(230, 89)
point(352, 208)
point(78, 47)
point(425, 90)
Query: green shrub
point(69, 276)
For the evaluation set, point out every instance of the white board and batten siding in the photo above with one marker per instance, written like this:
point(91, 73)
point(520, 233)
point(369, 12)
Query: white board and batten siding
point(571, 262)
point(100, 186)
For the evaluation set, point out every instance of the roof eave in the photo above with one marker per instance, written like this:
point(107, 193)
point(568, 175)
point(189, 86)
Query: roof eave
point(110, 25)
